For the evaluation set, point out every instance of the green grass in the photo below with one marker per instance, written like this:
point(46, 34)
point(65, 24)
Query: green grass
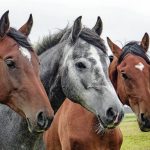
point(133, 138)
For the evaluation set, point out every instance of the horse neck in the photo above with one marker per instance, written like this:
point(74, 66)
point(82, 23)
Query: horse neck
point(16, 132)
point(117, 82)
point(50, 75)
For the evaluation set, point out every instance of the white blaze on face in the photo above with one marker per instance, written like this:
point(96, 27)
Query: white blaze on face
point(25, 53)
point(95, 55)
point(139, 66)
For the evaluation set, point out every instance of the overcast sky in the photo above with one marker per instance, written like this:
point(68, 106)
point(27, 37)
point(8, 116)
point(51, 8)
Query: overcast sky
point(123, 20)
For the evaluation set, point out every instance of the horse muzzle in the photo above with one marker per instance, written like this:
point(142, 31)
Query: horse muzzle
point(41, 123)
point(144, 123)
point(112, 118)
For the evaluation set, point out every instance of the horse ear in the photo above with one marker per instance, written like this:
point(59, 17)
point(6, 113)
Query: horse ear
point(4, 24)
point(26, 28)
point(98, 26)
point(145, 42)
point(116, 50)
point(77, 26)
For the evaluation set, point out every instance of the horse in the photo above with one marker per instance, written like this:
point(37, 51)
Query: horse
point(75, 128)
point(73, 65)
point(130, 75)
point(21, 88)
point(86, 62)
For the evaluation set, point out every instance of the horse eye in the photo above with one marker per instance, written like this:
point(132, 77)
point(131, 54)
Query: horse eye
point(80, 65)
point(124, 75)
point(10, 63)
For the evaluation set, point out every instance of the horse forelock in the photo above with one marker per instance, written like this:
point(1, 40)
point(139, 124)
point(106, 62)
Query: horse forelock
point(92, 38)
point(19, 38)
point(135, 49)
point(25, 46)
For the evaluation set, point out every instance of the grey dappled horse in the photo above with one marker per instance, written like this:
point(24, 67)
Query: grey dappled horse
point(74, 65)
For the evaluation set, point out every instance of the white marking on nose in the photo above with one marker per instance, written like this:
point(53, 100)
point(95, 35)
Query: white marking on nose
point(25, 53)
point(139, 66)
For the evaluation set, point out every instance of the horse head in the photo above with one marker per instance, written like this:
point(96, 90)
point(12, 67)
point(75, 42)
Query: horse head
point(21, 88)
point(130, 75)
point(84, 73)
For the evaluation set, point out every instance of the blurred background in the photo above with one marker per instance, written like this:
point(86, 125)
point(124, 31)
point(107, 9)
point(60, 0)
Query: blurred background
point(123, 20)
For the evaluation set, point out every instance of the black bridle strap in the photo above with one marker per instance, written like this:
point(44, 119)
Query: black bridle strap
point(134, 49)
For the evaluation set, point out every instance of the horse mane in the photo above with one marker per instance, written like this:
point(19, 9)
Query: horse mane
point(19, 38)
point(89, 36)
point(53, 39)
point(50, 41)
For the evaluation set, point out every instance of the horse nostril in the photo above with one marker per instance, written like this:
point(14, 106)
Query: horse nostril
point(44, 121)
point(142, 117)
point(111, 114)
point(41, 120)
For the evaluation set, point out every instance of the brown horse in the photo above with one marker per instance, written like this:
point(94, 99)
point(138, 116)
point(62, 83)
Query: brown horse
point(75, 128)
point(21, 88)
point(130, 75)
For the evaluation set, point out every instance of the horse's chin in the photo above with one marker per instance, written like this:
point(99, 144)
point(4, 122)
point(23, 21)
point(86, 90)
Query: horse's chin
point(144, 129)
point(101, 129)
point(33, 129)
point(111, 126)
point(106, 126)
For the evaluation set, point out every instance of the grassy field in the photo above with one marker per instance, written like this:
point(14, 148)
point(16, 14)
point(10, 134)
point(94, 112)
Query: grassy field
point(133, 138)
